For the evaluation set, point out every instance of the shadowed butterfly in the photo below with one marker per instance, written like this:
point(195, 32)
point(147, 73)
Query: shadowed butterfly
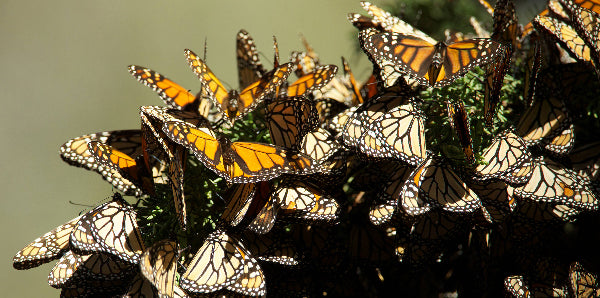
point(76, 152)
point(290, 119)
point(158, 264)
point(553, 183)
point(433, 184)
point(568, 36)
point(133, 170)
point(73, 268)
point(223, 262)
point(507, 159)
point(48, 247)
point(111, 228)
point(458, 118)
point(583, 282)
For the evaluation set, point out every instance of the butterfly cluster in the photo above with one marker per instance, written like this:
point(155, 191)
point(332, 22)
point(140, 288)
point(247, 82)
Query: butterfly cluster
point(452, 170)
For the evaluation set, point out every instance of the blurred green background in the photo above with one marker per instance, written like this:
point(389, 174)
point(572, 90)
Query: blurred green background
point(63, 74)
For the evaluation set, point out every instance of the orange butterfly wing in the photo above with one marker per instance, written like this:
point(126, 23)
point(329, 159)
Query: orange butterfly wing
point(201, 141)
point(257, 91)
point(313, 81)
point(174, 95)
point(210, 84)
point(259, 162)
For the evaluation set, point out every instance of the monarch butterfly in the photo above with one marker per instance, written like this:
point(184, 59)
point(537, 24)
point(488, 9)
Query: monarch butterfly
point(488, 7)
point(252, 280)
point(507, 159)
point(250, 69)
point(239, 162)
point(172, 94)
point(393, 24)
point(430, 63)
point(114, 229)
point(385, 70)
point(223, 262)
point(272, 247)
point(494, 77)
point(363, 22)
point(557, 8)
point(306, 61)
point(48, 247)
point(586, 161)
point(541, 214)
point(567, 36)
point(506, 26)
point(435, 184)
point(400, 133)
point(389, 194)
point(357, 98)
point(588, 24)
point(232, 104)
point(480, 32)
point(319, 145)
point(159, 265)
point(305, 200)
point(534, 63)
point(76, 152)
point(295, 195)
point(545, 120)
point(239, 198)
point(290, 119)
point(518, 286)
point(265, 219)
point(319, 78)
point(72, 269)
point(81, 239)
point(343, 90)
point(250, 204)
point(497, 200)
point(553, 183)
point(438, 226)
point(389, 126)
point(131, 169)
point(592, 5)
point(142, 287)
point(583, 283)
point(422, 241)
point(160, 146)
point(458, 118)
point(328, 108)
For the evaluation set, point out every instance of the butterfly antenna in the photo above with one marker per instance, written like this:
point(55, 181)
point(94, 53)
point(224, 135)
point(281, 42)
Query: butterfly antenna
point(79, 204)
point(220, 197)
point(205, 47)
point(276, 55)
point(309, 50)
point(137, 203)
